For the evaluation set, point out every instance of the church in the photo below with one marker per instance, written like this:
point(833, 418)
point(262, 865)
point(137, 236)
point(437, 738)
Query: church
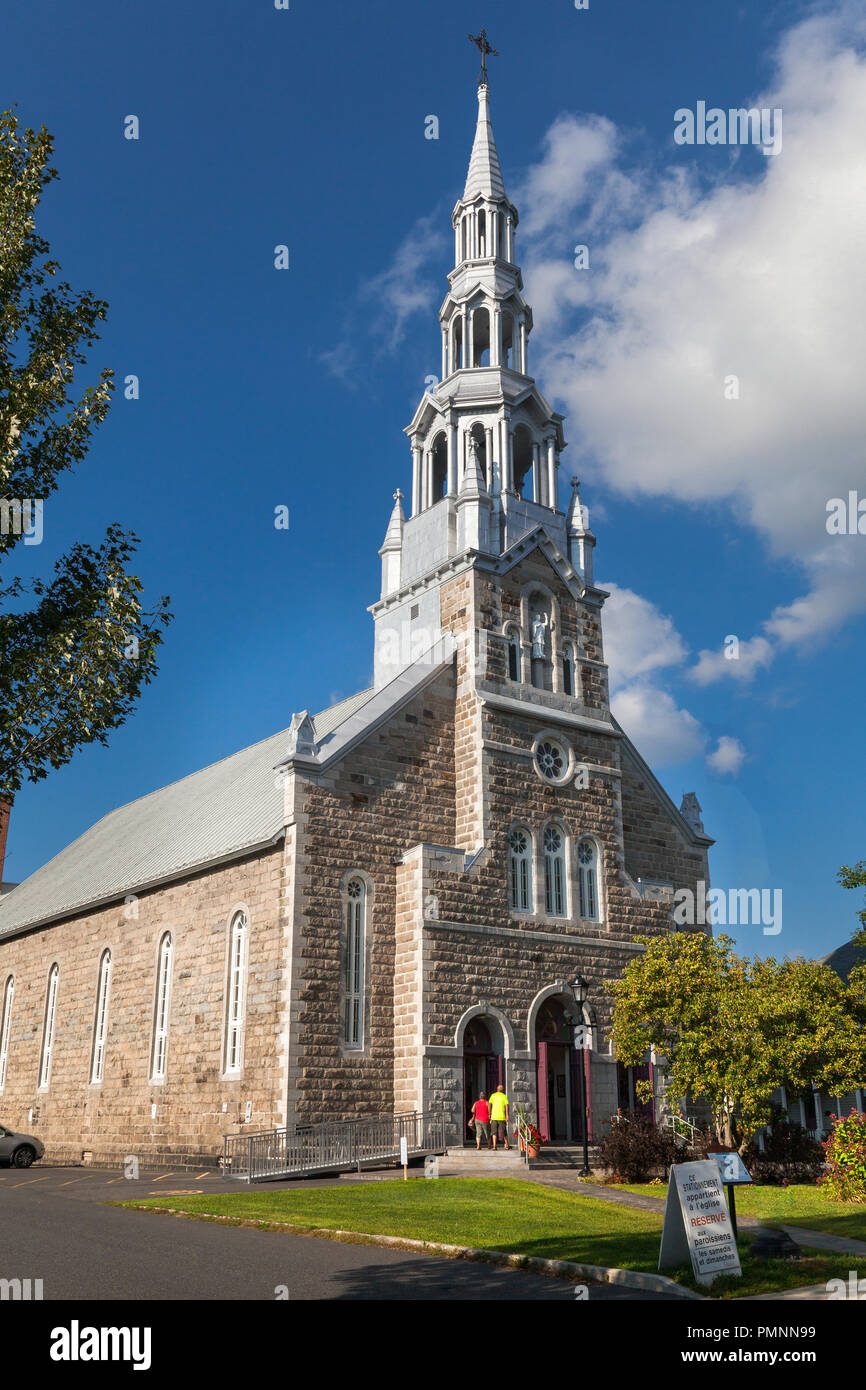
point(383, 907)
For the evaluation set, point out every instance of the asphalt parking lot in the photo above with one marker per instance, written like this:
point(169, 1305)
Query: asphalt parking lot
point(57, 1227)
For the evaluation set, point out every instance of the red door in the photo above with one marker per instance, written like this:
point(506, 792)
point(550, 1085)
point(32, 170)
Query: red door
point(541, 1082)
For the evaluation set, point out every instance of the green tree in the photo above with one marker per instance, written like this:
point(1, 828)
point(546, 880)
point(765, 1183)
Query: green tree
point(730, 1029)
point(854, 876)
point(75, 648)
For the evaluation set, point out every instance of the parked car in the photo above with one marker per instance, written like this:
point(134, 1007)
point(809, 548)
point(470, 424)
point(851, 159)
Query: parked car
point(19, 1150)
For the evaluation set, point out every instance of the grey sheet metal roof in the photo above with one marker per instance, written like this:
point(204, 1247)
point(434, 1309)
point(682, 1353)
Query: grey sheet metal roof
point(211, 815)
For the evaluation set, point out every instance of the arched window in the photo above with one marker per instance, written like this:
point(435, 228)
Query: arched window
point(587, 862)
point(100, 1026)
point(5, 1025)
point(353, 985)
point(520, 869)
point(513, 653)
point(236, 994)
point(48, 1028)
point(554, 872)
point(568, 669)
point(439, 465)
point(524, 471)
point(159, 1055)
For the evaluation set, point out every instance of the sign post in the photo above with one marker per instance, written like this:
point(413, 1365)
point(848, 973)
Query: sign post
point(404, 1156)
point(733, 1173)
point(697, 1225)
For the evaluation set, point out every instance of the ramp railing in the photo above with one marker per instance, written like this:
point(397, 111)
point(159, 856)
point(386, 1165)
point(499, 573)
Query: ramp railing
point(332, 1147)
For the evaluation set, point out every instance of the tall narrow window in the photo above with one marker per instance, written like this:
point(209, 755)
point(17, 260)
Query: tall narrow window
point(5, 1025)
point(356, 913)
point(48, 1030)
point(160, 1018)
point(568, 669)
point(237, 992)
point(554, 872)
point(587, 861)
point(100, 1027)
point(520, 869)
point(513, 654)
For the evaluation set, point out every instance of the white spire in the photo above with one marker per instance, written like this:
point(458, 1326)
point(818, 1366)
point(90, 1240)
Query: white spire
point(485, 174)
point(392, 548)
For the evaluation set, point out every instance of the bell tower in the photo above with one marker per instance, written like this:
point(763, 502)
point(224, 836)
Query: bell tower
point(486, 445)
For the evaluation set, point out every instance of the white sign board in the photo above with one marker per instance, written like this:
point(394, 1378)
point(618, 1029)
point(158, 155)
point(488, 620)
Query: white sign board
point(581, 1036)
point(404, 1151)
point(732, 1168)
point(697, 1225)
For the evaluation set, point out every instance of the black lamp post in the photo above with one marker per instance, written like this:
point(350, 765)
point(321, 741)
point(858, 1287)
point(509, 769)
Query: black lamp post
point(580, 990)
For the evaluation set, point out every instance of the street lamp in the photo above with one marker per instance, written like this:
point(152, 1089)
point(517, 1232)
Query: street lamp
point(580, 990)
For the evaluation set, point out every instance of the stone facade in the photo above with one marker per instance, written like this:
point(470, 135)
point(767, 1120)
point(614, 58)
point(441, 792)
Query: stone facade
point(392, 963)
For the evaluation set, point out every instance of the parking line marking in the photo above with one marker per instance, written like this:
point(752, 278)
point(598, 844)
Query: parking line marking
point(29, 1181)
point(163, 1175)
point(71, 1181)
point(201, 1175)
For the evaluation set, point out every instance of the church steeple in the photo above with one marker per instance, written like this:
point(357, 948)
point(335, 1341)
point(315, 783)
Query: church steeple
point(486, 445)
point(485, 172)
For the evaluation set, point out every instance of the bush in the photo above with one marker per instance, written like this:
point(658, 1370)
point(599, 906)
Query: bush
point(790, 1154)
point(845, 1149)
point(636, 1147)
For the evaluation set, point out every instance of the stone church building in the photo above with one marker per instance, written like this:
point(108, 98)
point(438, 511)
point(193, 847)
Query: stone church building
point(381, 908)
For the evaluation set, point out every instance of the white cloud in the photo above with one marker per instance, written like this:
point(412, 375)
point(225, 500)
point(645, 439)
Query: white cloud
point(700, 278)
point(750, 657)
point(386, 302)
point(728, 756)
point(638, 638)
point(663, 733)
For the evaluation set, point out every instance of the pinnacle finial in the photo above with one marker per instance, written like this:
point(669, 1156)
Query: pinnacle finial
point(398, 496)
point(484, 48)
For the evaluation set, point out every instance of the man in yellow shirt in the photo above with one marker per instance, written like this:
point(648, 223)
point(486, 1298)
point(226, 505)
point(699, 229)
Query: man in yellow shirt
point(499, 1116)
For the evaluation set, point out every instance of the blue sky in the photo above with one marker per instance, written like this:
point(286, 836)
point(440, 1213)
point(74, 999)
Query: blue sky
point(260, 388)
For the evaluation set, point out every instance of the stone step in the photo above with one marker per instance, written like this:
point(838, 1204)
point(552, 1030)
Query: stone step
point(486, 1163)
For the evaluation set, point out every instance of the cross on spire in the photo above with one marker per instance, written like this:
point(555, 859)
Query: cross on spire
point(484, 48)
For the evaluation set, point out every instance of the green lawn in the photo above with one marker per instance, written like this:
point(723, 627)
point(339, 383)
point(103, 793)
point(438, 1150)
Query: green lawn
point(503, 1214)
point(797, 1205)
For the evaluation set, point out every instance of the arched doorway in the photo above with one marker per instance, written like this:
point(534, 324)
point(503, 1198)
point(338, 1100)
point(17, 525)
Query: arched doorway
point(483, 1064)
point(558, 1073)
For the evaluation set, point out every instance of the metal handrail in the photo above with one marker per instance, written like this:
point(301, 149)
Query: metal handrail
point(332, 1146)
point(682, 1128)
point(523, 1137)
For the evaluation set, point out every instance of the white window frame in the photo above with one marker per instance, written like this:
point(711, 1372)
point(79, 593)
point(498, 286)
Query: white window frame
point(552, 861)
point(236, 993)
point(5, 1026)
point(100, 1024)
point(354, 971)
point(48, 1028)
point(162, 1008)
point(525, 861)
point(589, 881)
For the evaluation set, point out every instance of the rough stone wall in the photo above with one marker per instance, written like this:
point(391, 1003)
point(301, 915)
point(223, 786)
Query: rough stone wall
point(395, 790)
point(112, 1119)
point(655, 847)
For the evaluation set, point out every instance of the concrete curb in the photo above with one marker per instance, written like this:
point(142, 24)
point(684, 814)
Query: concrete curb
point(534, 1264)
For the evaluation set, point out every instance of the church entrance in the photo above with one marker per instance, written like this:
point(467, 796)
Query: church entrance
point(558, 1078)
point(483, 1065)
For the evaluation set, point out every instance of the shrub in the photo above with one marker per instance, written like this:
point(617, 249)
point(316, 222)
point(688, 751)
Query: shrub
point(790, 1154)
point(845, 1149)
point(636, 1147)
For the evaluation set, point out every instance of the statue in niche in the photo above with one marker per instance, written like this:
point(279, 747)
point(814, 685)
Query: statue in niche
point(539, 636)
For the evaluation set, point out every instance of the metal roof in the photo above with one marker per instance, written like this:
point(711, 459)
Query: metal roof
point(233, 805)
